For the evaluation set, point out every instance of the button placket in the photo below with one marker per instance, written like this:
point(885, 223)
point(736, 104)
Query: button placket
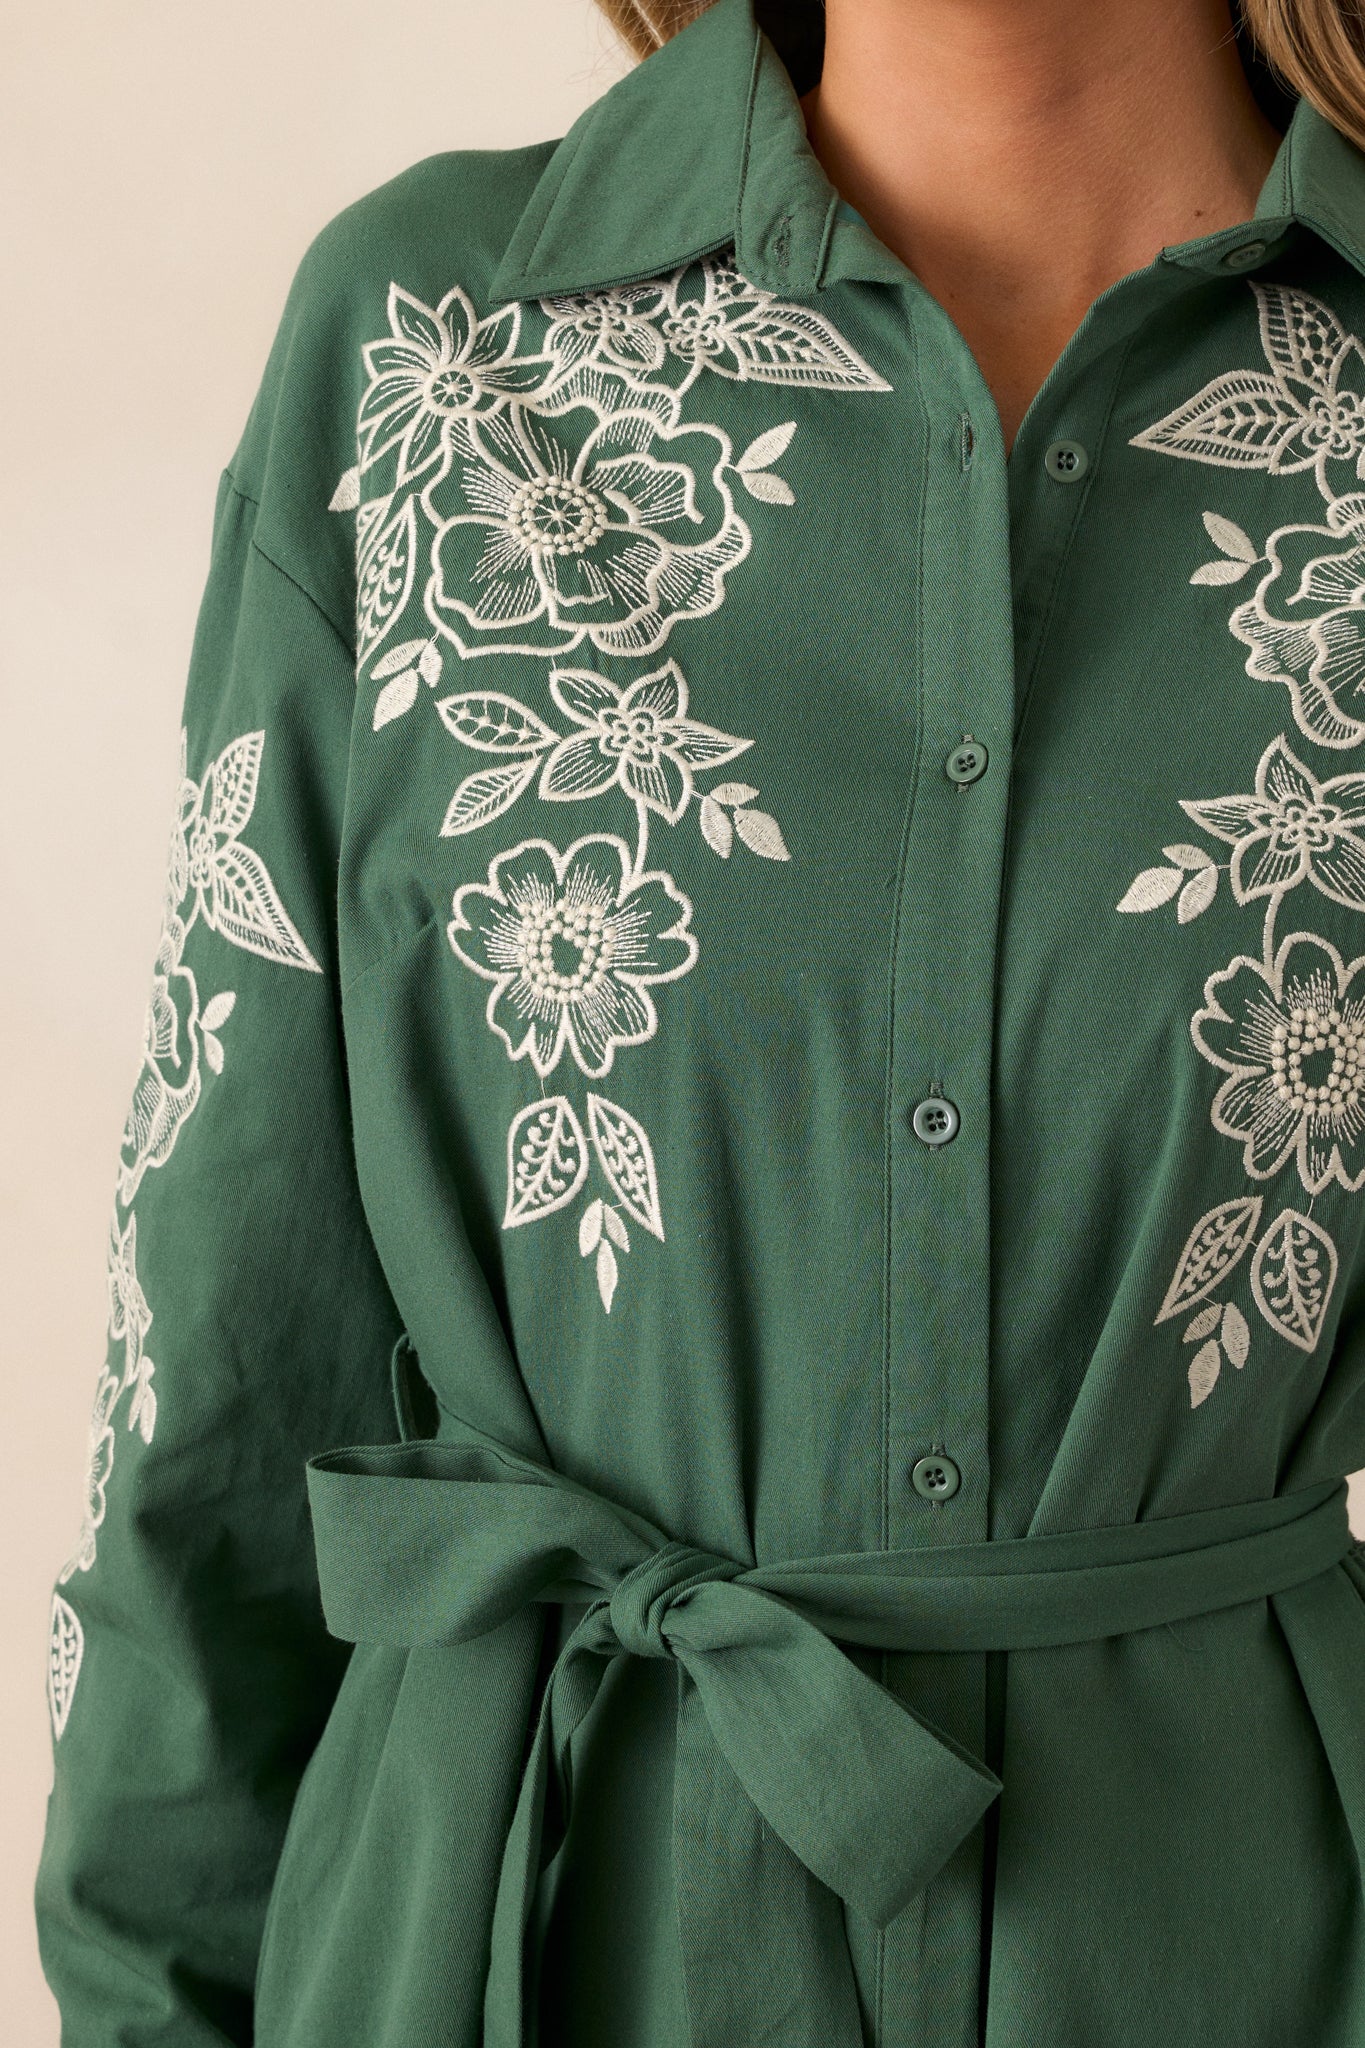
point(943, 984)
point(937, 1385)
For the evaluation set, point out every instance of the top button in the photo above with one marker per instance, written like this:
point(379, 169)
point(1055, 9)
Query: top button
point(1244, 255)
point(1066, 462)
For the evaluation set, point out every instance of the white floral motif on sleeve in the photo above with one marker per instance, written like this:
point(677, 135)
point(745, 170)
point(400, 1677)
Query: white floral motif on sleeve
point(560, 498)
point(1285, 1027)
point(213, 878)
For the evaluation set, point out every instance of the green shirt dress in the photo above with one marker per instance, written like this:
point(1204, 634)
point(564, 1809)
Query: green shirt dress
point(736, 1271)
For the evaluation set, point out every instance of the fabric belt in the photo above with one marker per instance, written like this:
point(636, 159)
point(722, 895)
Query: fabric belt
point(799, 1781)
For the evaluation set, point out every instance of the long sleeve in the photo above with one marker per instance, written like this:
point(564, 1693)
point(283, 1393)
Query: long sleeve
point(249, 1325)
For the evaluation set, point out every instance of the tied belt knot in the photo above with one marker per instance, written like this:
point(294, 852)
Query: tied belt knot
point(803, 1788)
point(641, 1602)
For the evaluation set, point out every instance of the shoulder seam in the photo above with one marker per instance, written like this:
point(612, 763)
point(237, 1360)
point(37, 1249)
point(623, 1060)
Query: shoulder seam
point(237, 489)
point(318, 606)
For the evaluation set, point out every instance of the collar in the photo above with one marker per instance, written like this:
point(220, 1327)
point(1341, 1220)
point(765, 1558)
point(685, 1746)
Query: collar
point(1318, 180)
point(703, 144)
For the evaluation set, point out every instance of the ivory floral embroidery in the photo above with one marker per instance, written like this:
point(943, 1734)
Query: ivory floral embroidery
point(212, 877)
point(566, 503)
point(1286, 1026)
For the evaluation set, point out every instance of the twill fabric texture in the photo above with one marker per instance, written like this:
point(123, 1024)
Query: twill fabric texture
point(736, 1268)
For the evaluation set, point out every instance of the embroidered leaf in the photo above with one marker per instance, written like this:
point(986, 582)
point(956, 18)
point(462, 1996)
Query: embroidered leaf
point(247, 909)
point(1203, 1372)
point(218, 1009)
point(429, 664)
point(623, 1149)
point(789, 344)
point(1220, 572)
point(606, 1273)
point(369, 524)
point(346, 496)
point(142, 1408)
point(1236, 1335)
point(733, 793)
point(766, 449)
point(66, 1648)
point(590, 1228)
point(1213, 1247)
point(495, 723)
point(386, 580)
point(547, 1159)
point(486, 794)
point(1188, 856)
point(761, 834)
point(716, 828)
point(767, 485)
point(1228, 535)
point(395, 698)
point(616, 1227)
point(1153, 886)
point(1301, 336)
point(1204, 1324)
point(213, 1051)
point(396, 658)
point(1197, 894)
point(1238, 422)
point(1292, 1277)
point(233, 780)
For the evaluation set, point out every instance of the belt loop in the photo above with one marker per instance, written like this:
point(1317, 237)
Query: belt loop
point(414, 1403)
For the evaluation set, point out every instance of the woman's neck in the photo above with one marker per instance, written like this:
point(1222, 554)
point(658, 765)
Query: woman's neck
point(1021, 155)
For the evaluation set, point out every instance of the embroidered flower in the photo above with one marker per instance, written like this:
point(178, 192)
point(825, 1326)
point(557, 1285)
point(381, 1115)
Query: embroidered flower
point(440, 364)
point(639, 736)
point(1308, 413)
point(603, 525)
point(616, 325)
point(714, 319)
point(578, 508)
point(1294, 828)
point(232, 888)
point(572, 943)
point(1305, 626)
point(1291, 1040)
point(168, 1084)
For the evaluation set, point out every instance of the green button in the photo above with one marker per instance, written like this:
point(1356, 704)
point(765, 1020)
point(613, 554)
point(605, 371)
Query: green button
point(966, 762)
point(1066, 462)
point(935, 1120)
point(1244, 255)
point(936, 1477)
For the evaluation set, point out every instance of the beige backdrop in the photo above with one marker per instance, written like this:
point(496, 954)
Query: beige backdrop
point(164, 166)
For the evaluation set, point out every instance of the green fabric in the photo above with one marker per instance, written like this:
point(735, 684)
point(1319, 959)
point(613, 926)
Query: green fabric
point(439, 1543)
point(566, 910)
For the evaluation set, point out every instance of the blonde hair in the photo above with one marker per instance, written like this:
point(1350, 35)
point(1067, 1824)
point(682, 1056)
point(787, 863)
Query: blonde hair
point(1316, 47)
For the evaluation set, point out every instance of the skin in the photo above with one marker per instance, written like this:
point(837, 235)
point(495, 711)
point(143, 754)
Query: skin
point(1022, 155)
